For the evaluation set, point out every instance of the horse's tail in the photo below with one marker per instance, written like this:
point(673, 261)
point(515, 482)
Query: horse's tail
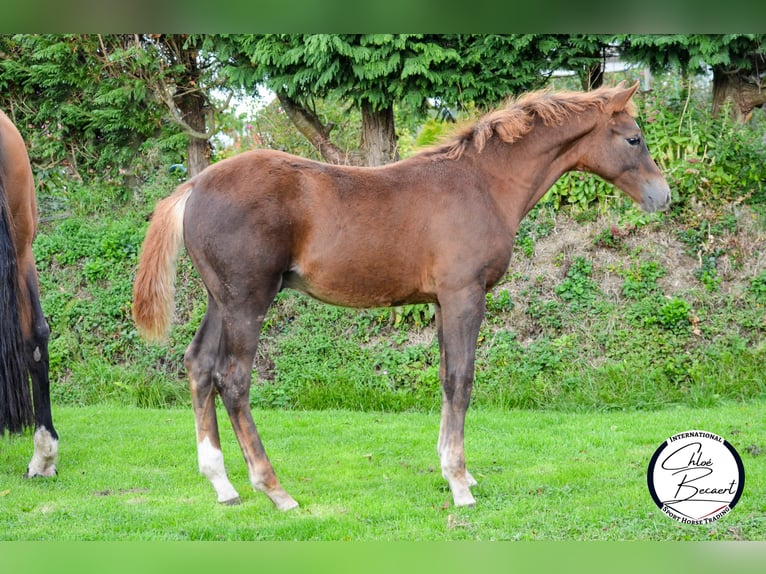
point(15, 404)
point(154, 287)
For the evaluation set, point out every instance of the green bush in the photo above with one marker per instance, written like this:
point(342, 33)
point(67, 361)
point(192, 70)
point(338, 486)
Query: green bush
point(573, 347)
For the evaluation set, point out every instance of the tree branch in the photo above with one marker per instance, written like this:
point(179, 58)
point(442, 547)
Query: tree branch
point(167, 95)
point(318, 134)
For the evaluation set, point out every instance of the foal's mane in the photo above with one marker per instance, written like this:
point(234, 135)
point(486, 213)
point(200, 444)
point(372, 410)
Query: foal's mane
point(517, 119)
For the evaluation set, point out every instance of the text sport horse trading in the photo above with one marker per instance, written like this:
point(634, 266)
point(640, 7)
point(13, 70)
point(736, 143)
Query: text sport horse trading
point(23, 328)
point(437, 227)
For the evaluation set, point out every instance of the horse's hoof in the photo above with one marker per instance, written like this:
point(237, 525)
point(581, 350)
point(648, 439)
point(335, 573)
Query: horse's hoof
point(45, 473)
point(232, 501)
point(464, 499)
point(287, 505)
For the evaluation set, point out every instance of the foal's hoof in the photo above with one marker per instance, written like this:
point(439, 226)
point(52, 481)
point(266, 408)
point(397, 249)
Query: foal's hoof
point(464, 498)
point(43, 473)
point(287, 506)
point(284, 501)
point(232, 501)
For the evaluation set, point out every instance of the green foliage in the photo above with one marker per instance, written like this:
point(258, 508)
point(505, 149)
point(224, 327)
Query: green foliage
point(500, 302)
point(578, 288)
point(641, 280)
point(693, 53)
point(701, 156)
point(580, 189)
point(381, 69)
point(758, 287)
point(80, 111)
point(674, 314)
point(416, 316)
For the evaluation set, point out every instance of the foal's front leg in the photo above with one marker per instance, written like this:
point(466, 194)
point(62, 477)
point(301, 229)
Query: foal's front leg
point(441, 445)
point(459, 318)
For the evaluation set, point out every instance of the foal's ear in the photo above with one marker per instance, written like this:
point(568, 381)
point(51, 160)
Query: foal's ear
point(622, 96)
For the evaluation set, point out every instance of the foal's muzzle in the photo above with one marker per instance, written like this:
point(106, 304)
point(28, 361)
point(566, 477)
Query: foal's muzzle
point(655, 197)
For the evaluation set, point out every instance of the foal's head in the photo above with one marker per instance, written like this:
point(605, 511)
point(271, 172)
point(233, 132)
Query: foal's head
point(616, 151)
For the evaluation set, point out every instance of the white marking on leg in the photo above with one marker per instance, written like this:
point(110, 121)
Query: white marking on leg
point(36, 355)
point(459, 480)
point(211, 466)
point(44, 459)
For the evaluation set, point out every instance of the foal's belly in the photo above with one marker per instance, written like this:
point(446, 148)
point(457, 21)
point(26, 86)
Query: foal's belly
point(358, 289)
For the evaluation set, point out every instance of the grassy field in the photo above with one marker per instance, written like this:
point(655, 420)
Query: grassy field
point(130, 474)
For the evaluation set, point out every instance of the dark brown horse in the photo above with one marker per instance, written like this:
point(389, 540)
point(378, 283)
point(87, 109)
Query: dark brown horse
point(437, 227)
point(23, 329)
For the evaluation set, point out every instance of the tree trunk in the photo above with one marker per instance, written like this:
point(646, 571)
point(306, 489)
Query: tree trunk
point(745, 90)
point(592, 77)
point(378, 141)
point(378, 144)
point(186, 98)
point(192, 107)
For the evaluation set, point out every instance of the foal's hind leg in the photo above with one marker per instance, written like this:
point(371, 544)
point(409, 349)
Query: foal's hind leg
point(36, 334)
point(239, 340)
point(200, 360)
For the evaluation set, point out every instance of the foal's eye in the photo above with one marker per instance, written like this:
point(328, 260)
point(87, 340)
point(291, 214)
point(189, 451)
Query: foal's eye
point(634, 140)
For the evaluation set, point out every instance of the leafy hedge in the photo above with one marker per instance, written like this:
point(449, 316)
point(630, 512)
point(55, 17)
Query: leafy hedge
point(647, 349)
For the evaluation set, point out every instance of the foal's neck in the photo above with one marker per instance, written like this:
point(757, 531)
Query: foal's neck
point(530, 166)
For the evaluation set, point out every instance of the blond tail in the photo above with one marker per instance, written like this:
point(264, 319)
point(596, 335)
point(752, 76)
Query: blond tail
point(155, 286)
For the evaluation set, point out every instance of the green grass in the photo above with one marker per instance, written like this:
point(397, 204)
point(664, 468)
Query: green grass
point(128, 473)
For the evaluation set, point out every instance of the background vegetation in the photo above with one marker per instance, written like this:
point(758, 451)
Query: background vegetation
point(603, 307)
point(607, 316)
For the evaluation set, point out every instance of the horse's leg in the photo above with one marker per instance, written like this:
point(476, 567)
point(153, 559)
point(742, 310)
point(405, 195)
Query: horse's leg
point(200, 358)
point(445, 403)
point(461, 315)
point(239, 342)
point(36, 333)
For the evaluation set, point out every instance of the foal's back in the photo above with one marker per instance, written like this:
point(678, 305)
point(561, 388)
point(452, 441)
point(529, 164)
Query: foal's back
point(352, 236)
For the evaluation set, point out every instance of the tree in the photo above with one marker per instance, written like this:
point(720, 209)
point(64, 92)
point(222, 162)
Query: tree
point(372, 72)
point(91, 102)
point(77, 108)
point(737, 62)
point(183, 80)
point(376, 72)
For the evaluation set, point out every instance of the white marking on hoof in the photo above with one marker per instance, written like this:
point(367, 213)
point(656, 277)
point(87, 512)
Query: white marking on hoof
point(44, 459)
point(276, 494)
point(211, 466)
point(463, 498)
point(284, 501)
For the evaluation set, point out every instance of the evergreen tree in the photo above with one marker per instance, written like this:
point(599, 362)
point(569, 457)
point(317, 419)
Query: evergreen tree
point(737, 62)
point(376, 72)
